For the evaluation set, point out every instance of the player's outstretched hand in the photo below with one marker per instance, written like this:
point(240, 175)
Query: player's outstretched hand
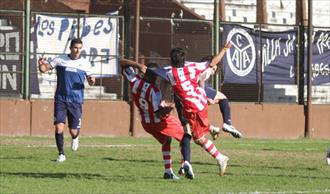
point(42, 61)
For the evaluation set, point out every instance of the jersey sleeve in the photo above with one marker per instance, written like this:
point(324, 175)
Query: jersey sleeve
point(207, 73)
point(56, 61)
point(202, 66)
point(88, 69)
point(129, 73)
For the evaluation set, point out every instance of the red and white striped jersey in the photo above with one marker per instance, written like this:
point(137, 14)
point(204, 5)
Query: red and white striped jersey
point(184, 83)
point(147, 96)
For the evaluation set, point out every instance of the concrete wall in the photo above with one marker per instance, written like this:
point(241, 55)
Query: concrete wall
point(111, 118)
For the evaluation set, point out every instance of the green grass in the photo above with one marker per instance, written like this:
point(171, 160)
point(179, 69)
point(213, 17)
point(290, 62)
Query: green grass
point(134, 165)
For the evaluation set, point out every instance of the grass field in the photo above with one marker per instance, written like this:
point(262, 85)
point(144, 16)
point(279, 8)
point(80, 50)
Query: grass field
point(134, 165)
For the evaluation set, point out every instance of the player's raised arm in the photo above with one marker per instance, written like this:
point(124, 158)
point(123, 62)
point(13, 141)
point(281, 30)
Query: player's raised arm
point(217, 58)
point(127, 62)
point(43, 65)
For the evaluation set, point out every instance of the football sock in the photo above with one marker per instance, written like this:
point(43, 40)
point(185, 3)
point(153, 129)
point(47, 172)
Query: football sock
point(185, 147)
point(59, 137)
point(166, 151)
point(209, 146)
point(225, 110)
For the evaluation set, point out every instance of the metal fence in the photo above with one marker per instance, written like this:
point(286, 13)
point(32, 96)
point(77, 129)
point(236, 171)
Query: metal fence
point(157, 37)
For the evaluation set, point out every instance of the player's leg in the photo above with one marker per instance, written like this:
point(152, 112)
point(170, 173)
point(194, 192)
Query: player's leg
point(59, 123)
point(74, 122)
point(186, 167)
point(167, 158)
point(159, 131)
point(211, 95)
point(200, 129)
point(226, 115)
point(210, 148)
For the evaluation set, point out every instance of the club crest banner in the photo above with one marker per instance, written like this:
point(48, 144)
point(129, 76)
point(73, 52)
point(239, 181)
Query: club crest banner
point(271, 56)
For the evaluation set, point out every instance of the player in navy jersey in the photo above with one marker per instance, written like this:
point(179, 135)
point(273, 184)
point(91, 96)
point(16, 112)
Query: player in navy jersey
point(217, 97)
point(71, 71)
point(154, 114)
point(184, 78)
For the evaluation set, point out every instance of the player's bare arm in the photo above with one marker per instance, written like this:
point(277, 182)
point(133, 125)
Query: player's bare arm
point(217, 58)
point(43, 65)
point(127, 62)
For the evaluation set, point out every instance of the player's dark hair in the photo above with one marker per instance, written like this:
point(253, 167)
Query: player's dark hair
point(207, 58)
point(75, 41)
point(150, 76)
point(152, 65)
point(178, 57)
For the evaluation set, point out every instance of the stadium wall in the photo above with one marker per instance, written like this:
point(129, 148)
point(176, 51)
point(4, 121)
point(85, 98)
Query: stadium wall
point(111, 118)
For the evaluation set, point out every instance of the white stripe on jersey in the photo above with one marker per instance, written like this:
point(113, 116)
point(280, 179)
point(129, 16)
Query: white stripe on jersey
point(144, 90)
point(197, 102)
point(171, 78)
point(192, 72)
point(181, 75)
point(136, 86)
point(78, 64)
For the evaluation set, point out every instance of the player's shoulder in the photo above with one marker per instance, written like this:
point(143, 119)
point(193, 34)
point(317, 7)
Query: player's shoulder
point(83, 61)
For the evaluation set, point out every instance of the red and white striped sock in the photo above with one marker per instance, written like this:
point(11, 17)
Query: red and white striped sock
point(209, 146)
point(166, 151)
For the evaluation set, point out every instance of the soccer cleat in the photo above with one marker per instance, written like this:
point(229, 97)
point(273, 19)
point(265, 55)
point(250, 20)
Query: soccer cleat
point(222, 162)
point(61, 158)
point(188, 171)
point(181, 171)
point(231, 129)
point(214, 131)
point(170, 176)
point(75, 144)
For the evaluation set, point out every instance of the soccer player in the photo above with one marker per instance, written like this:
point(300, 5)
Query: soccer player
point(154, 113)
point(213, 97)
point(184, 80)
point(71, 71)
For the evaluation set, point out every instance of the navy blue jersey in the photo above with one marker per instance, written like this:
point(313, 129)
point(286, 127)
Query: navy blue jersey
point(71, 75)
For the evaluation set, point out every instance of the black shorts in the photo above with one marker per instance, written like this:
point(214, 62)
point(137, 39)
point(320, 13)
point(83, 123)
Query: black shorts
point(68, 109)
point(210, 92)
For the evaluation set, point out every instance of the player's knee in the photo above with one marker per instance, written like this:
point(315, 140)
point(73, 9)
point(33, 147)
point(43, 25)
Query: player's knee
point(168, 141)
point(59, 127)
point(200, 141)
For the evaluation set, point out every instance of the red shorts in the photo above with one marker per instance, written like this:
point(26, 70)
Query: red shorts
point(167, 127)
point(199, 122)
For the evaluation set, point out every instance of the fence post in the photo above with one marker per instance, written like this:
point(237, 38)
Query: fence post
point(27, 19)
point(309, 68)
point(216, 38)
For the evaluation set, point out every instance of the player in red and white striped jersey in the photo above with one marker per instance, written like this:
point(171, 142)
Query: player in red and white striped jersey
point(154, 114)
point(184, 80)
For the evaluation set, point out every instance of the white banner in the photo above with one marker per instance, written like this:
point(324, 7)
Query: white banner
point(99, 36)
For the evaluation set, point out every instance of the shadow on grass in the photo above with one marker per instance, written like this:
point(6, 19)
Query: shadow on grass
point(132, 160)
point(17, 158)
point(88, 176)
point(231, 166)
point(53, 175)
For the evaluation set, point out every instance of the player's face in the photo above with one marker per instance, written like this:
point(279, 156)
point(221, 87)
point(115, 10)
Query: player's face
point(75, 51)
